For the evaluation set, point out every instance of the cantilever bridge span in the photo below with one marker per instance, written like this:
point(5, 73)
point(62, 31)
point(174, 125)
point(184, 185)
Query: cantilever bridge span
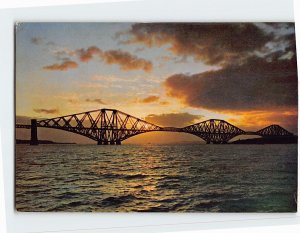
point(110, 126)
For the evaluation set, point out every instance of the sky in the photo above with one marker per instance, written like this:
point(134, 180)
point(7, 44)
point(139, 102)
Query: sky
point(170, 74)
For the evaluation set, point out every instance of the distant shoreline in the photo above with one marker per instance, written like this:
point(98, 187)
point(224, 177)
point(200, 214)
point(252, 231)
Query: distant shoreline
point(275, 140)
point(20, 141)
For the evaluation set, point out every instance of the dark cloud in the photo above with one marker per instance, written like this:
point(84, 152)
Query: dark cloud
point(215, 44)
point(124, 59)
point(150, 99)
point(98, 101)
point(46, 111)
point(37, 40)
point(64, 66)
point(173, 119)
point(256, 84)
point(42, 41)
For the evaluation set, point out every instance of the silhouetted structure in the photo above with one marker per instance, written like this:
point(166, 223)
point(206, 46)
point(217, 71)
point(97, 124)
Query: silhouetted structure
point(214, 130)
point(110, 126)
point(34, 138)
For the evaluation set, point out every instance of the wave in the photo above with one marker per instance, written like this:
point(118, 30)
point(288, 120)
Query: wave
point(64, 207)
point(66, 195)
point(124, 176)
point(136, 176)
point(113, 201)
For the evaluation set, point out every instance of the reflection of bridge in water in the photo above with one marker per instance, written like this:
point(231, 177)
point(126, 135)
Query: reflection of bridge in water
point(110, 126)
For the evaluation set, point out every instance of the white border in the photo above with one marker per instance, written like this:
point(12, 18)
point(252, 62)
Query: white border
point(155, 11)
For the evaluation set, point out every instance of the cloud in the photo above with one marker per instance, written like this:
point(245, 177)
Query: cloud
point(73, 101)
point(173, 119)
point(150, 99)
point(66, 65)
point(42, 41)
point(86, 55)
point(164, 103)
point(258, 84)
point(37, 40)
point(214, 44)
point(46, 111)
point(256, 120)
point(63, 53)
point(124, 59)
point(98, 101)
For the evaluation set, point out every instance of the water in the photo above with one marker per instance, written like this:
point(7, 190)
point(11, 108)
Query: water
point(163, 178)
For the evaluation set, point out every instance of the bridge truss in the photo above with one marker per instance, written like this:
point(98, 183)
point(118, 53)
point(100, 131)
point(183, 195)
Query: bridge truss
point(110, 126)
point(272, 130)
point(214, 131)
point(106, 126)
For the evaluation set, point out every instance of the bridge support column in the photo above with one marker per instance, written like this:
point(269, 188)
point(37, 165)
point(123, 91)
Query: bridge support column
point(112, 143)
point(105, 142)
point(118, 142)
point(207, 142)
point(34, 137)
point(99, 142)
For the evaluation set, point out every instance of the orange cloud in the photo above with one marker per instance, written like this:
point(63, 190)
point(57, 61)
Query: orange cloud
point(98, 101)
point(255, 120)
point(86, 55)
point(173, 119)
point(150, 99)
point(66, 65)
point(124, 59)
point(164, 103)
point(46, 111)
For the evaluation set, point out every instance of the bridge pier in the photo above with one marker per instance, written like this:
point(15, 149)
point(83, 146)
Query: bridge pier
point(34, 137)
point(105, 142)
point(102, 142)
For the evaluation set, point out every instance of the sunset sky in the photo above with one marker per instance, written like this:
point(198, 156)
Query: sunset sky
point(170, 74)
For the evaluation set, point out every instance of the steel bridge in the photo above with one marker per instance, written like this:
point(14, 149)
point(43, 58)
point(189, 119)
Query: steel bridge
point(110, 126)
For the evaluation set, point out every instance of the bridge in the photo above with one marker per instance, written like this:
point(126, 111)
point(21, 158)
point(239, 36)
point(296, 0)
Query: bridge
point(110, 126)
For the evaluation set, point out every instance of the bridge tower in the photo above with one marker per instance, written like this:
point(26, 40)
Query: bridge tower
point(34, 137)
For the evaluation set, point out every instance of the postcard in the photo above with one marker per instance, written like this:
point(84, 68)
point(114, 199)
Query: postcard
point(156, 117)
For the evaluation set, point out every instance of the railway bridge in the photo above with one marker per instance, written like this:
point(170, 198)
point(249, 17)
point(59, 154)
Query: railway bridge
point(110, 126)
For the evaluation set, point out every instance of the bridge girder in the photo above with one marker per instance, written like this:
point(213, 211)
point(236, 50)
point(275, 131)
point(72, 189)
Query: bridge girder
point(106, 126)
point(110, 126)
point(214, 131)
point(273, 130)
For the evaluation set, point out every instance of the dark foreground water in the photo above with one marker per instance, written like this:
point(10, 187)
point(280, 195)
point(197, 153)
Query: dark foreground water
point(189, 178)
